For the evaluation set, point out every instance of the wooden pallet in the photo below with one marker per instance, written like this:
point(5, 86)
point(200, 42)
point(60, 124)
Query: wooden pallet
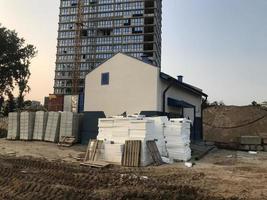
point(96, 164)
point(154, 152)
point(91, 153)
point(132, 153)
point(90, 159)
point(67, 141)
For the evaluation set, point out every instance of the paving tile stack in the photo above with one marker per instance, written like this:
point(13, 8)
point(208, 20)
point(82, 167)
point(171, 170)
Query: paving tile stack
point(69, 124)
point(26, 125)
point(177, 133)
point(40, 125)
point(13, 126)
point(52, 127)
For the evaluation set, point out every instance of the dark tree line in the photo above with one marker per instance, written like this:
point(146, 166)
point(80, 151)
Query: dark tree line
point(15, 59)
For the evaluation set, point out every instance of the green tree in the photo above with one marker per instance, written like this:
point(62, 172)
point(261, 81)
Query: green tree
point(15, 59)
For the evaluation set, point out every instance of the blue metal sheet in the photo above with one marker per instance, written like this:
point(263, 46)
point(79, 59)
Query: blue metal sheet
point(178, 103)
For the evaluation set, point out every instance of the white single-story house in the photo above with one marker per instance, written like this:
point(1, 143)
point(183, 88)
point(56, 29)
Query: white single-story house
point(126, 84)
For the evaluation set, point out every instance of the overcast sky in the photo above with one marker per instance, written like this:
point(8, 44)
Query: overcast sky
point(218, 45)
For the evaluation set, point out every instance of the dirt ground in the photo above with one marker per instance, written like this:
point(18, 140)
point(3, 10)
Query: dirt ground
point(37, 170)
point(226, 124)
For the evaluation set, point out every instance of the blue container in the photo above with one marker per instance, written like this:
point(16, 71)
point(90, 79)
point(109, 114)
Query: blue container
point(89, 126)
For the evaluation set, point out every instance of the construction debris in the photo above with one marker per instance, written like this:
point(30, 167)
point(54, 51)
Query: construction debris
point(188, 164)
point(66, 141)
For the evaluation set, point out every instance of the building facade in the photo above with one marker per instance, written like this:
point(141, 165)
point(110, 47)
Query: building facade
point(108, 26)
point(126, 84)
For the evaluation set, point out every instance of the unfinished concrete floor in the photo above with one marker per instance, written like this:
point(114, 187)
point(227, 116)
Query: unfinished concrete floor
point(25, 173)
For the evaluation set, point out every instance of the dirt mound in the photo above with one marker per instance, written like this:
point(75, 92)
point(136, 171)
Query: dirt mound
point(36, 179)
point(228, 123)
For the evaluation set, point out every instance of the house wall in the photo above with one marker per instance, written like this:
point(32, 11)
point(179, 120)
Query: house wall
point(132, 87)
point(179, 94)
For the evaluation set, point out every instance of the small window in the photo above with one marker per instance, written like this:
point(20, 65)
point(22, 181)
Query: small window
point(105, 78)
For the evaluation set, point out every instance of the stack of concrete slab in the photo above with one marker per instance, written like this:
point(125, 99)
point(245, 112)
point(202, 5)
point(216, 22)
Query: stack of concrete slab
point(118, 130)
point(52, 127)
point(69, 124)
point(27, 125)
point(13, 126)
point(160, 123)
point(40, 125)
point(113, 153)
point(177, 134)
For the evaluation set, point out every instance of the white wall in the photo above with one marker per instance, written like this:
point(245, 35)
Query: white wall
point(132, 87)
point(179, 94)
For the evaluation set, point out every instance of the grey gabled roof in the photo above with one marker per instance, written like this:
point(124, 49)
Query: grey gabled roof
point(183, 85)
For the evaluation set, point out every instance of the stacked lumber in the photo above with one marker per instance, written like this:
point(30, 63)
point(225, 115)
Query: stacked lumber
point(177, 133)
point(26, 125)
point(13, 126)
point(52, 127)
point(40, 125)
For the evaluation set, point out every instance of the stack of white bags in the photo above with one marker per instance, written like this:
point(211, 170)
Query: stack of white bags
point(172, 137)
point(177, 134)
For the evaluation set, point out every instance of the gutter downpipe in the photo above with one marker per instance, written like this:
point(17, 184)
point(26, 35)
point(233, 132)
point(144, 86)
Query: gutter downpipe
point(202, 129)
point(164, 97)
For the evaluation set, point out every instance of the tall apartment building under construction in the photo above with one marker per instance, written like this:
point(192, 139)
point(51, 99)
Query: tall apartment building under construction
point(91, 31)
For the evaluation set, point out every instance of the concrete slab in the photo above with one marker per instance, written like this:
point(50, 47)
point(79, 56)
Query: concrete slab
point(251, 140)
